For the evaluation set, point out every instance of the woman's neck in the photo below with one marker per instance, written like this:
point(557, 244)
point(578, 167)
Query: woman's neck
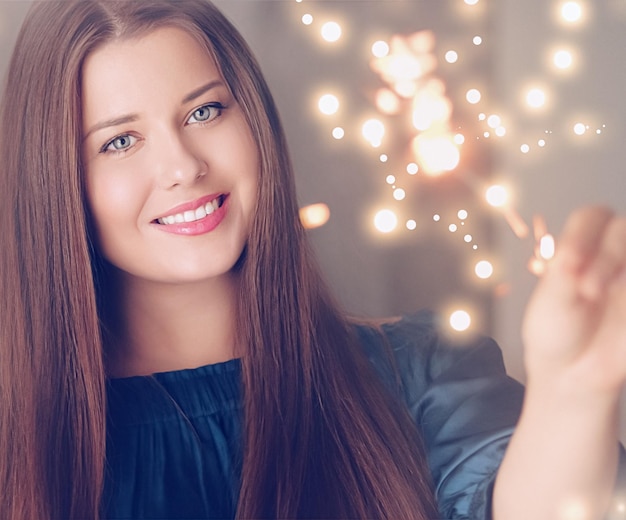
point(165, 327)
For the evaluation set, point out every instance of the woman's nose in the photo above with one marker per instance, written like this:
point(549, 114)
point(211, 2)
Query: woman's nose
point(179, 164)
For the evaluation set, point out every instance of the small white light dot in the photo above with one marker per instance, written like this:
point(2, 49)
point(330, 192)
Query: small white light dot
point(571, 11)
point(460, 320)
point(546, 247)
point(383, 158)
point(482, 116)
point(494, 121)
point(471, 2)
point(452, 228)
point(462, 214)
point(307, 19)
point(411, 224)
point(486, 135)
point(500, 131)
point(412, 168)
point(496, 195)
point(380, 49)
point(328, 104)
point(598, 131)
point(483, 269)
point(399, 194)
point(524, 148)
point(451, 56)
point(338, 132)
point(331, 31)
point(474, 247)
point(541, 143)
point(385, 221)
point(390, 179)
point(459, 139)
point(467, 238)
point(535, 98)
point(473, 96)
point(579, 129)
point(562, 59)
point(436, 218)
point(477, 40)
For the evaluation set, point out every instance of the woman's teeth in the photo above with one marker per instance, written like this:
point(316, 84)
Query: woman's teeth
point(193, 215)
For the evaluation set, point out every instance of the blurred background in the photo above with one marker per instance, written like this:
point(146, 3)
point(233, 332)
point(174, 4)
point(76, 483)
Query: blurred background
point(440, 144)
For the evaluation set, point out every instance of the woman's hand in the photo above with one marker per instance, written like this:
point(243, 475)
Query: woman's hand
point(575, 323)
point(562, 459)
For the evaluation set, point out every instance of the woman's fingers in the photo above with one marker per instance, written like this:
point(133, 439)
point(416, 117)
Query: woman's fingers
point(581, 238)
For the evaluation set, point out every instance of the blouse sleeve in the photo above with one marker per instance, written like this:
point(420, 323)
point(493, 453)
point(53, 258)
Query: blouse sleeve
point(464, 404)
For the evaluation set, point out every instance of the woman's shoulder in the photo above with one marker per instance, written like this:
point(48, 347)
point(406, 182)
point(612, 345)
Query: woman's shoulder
point(417, 349)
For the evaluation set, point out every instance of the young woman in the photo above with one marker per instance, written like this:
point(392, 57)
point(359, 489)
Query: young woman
point(168, 349)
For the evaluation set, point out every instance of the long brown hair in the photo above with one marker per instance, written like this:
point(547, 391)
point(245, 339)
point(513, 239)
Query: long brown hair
point(322, 437)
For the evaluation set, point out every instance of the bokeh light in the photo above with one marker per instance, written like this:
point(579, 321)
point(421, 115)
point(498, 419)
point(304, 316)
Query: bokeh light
point(496, 195)
point(314, 215)
point(460, 320)
point(473, 96)
point(380, 49)
point(331, 31)
point(535, 98)
point(483, 269)
point(373, 131)
point(328, 104)
point(385, 221)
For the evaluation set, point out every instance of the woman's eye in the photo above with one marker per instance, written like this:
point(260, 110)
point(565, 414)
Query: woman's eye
point(206, 113)
point(121, 143)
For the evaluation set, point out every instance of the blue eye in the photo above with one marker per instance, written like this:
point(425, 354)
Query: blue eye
point(121, 143)
point(206, 113)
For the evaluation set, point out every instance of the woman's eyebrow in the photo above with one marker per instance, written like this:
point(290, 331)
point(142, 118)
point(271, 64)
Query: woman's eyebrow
point(134, 117)
point(111, 122)
point(201, 90)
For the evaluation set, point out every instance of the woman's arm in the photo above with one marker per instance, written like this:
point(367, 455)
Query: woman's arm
point(562, 460)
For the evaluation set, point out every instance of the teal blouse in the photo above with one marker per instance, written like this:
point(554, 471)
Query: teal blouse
point(173, 449)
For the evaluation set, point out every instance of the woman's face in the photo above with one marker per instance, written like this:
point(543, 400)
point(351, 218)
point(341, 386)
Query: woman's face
point(171, 165)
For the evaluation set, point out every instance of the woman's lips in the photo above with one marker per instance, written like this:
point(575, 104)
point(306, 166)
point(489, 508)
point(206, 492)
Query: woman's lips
point(195, 218)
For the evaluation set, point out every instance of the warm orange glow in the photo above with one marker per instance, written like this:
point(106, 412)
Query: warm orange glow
point(314, 215)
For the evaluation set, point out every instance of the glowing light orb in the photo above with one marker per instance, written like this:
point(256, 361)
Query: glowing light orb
point(385, 221)
point(429, 109)
point(477, 40)
point(390, 179)
point(412, 168)
point(380, 49)
point(571, 11)
point(536, 98)
point(399, 194)
point(500, 131)
point(451, 56)
point(541, 143)
point(524, 148)
point(460, 320)
point(546, 247)
point(459, 139)
point(328, 104)
point(314, 216)
point(411, 224)
point(436, 154)
point(383, 158)
point(462, 214)
point(468, 238)
point(496, 195)
point(452, 228)
point(373, 131)
point(338, 132)
point(473, 96)
point(494, 121)
point(436, 218)
point(331, 31)
point(471, 2)
point(580, 128)
point(307, 19)
point(387, 101)
point(482, 117)
point(483, 269)
point(562, 59)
